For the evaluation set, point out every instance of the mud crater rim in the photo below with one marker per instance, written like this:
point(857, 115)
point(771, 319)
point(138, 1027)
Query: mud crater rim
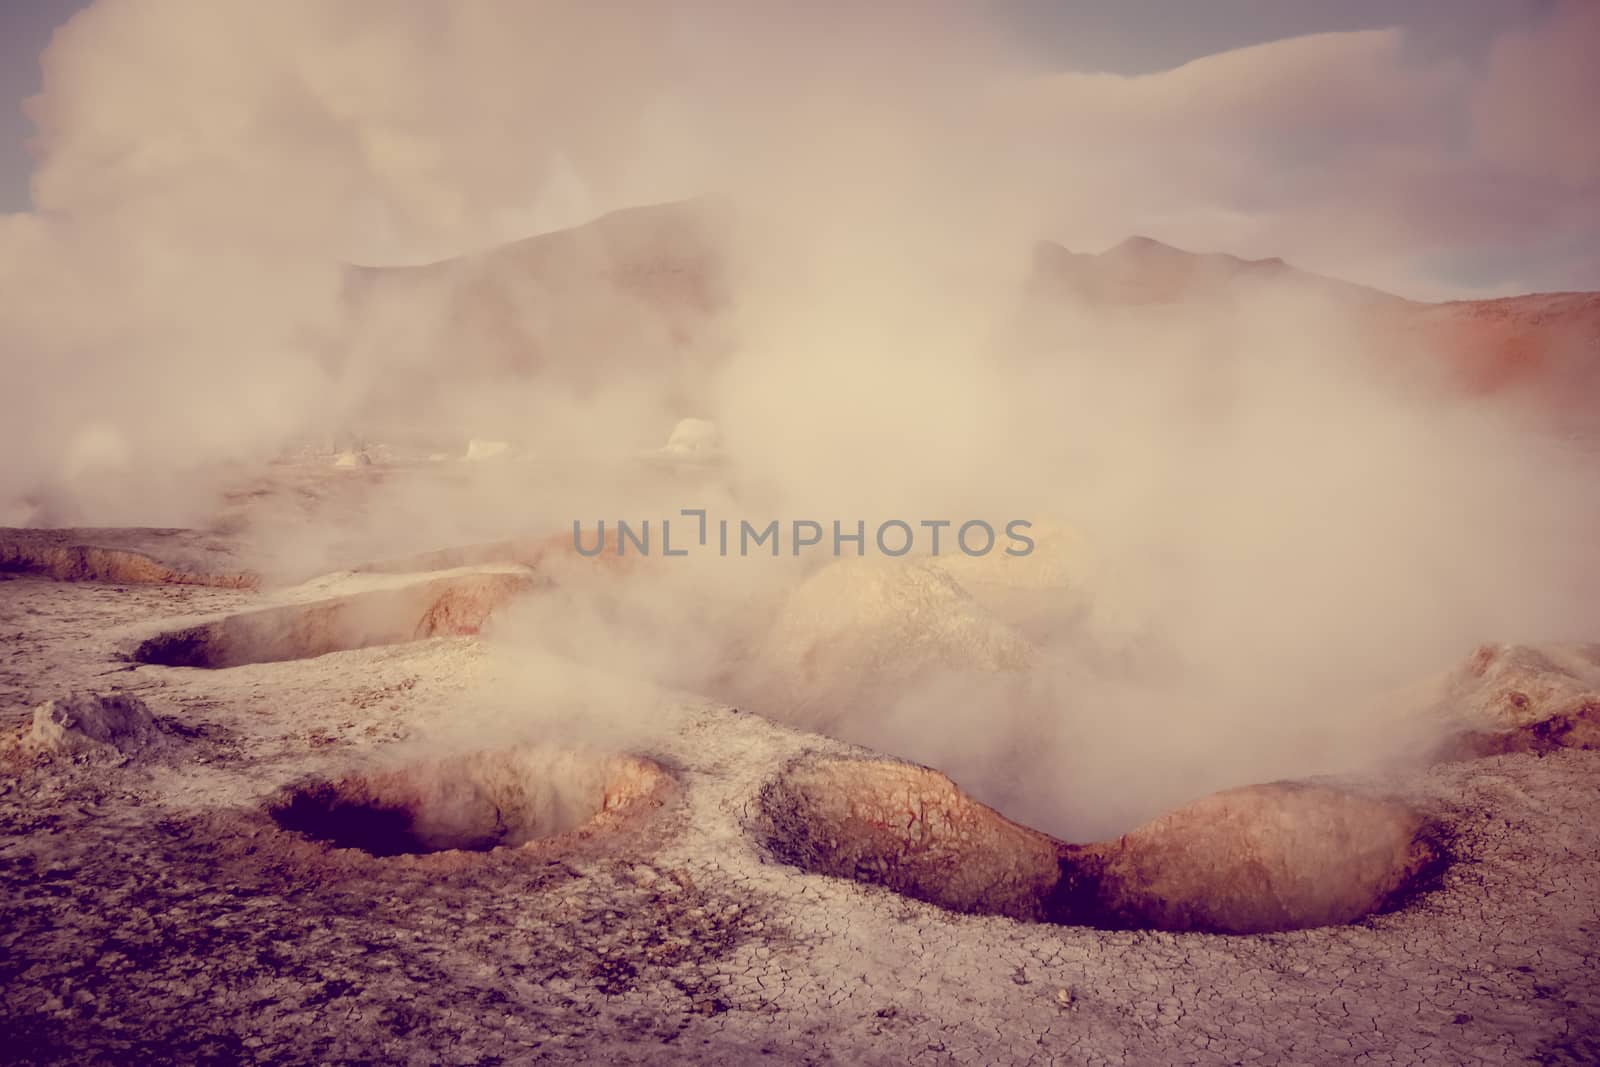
point(456, 605)
point(524, 798)
point(1256, 859)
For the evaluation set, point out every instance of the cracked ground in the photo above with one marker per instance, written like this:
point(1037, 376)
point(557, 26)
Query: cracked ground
point(149, 911)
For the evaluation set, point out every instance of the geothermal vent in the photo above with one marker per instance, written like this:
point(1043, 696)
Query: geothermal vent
point(458, 604)
point(473, 802)
point(1285, 856)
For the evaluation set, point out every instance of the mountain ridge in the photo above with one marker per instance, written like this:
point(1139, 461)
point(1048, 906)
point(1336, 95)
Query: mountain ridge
point(641, 291)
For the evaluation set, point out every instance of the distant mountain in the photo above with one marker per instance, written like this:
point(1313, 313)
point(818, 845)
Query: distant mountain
point(1543, 346)
point(662, 254)
point(631, 293)
point(1141, 270)
point(639, 293)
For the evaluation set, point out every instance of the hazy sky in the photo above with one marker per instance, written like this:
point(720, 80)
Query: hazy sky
point(1496, 246)
point(1121, 36)
point(25, 28)
point(1143, 36)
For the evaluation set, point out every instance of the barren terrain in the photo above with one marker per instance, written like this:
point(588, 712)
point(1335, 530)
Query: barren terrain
point(777, 896)
point(693, 532)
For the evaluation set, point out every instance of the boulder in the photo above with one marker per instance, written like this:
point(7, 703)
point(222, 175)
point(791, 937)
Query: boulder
point(93, 725)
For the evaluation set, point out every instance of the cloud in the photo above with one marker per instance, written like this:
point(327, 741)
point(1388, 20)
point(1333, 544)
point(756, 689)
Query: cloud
point(1285, 96)
point(1534, 111)
point(363, 129)
point(1345, 152)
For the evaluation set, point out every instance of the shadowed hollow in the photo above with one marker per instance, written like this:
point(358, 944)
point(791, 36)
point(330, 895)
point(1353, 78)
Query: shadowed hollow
point(473, 802)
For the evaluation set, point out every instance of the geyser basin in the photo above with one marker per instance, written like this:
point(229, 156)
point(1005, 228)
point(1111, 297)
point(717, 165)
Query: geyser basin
point(458, 604)
point(1272, 857)
point(473, 802)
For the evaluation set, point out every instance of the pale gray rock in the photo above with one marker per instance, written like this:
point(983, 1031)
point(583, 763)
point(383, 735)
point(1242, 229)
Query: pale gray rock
point(93, 724)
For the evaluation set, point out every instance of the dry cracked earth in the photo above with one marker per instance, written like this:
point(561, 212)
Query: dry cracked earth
point(252, 852)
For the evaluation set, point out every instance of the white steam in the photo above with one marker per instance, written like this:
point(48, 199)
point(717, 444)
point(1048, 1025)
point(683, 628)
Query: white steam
point(1252, 533)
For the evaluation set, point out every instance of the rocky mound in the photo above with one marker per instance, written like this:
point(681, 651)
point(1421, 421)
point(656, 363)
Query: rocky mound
point(1521, 698)
point(96, 726)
